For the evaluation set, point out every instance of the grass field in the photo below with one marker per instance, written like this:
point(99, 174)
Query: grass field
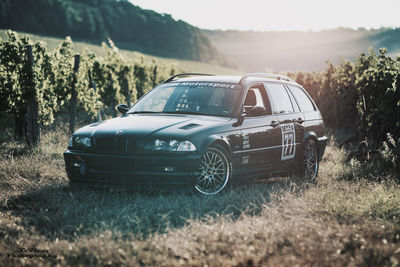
point(335, 222)
point(180, 65)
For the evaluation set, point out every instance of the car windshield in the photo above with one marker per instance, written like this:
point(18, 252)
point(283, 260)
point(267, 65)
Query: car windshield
point(203, 98)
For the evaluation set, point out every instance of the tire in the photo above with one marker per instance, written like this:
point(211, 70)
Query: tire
point(308, 164)
point(215, 171)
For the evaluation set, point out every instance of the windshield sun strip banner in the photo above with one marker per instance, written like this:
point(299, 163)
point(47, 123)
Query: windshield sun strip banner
point(206, 84)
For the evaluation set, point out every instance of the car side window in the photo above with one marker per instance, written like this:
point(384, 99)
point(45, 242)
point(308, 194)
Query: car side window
point(256, 96)
point(280, 101)
point(294, 102)
point(302, 99)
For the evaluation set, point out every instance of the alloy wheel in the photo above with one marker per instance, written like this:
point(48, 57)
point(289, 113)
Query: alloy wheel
point(214, 172)
point(310, 162)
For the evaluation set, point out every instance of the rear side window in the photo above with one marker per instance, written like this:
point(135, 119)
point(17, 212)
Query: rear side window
point(294, 102)
point(280, 101)
point(302, 99)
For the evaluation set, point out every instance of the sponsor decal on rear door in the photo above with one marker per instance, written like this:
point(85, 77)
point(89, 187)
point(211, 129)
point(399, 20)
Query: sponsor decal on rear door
point(288, 141)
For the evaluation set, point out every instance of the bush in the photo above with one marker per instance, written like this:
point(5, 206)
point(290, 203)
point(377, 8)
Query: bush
point(378, 86)
point(390, 152)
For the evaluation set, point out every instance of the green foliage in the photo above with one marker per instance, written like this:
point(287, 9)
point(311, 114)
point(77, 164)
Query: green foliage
point(362, 97)
point(338, 98)
point(334, 93)
point(390, 152)
point(63, 60)
point(43, 76)
point(378, 86)
point(12, 64)
point(53, 78)
point(105, 76)
point(114, 79)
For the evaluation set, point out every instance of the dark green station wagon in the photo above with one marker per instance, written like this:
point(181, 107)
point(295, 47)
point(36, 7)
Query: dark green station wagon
point(205, 131)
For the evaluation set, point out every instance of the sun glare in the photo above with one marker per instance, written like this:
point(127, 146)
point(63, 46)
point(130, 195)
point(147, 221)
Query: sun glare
point(259, 15)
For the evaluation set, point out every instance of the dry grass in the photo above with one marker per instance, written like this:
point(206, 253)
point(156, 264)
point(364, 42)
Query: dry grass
point(335, 222)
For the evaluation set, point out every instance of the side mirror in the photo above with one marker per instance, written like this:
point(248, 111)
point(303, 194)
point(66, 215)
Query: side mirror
point(256, 111)
point(123, 108)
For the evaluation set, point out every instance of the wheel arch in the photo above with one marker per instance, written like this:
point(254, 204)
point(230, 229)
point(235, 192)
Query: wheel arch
point(217, 140)
point(298, 170)
point(310, 135)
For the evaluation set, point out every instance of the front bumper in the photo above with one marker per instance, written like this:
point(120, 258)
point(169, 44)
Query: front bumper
point(126, 170)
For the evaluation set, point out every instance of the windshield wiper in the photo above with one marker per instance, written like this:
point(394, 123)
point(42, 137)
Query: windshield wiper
point(143, 111)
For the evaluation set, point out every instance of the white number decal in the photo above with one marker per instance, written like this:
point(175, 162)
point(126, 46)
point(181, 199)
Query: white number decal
point(246, 140)
point(288, 141)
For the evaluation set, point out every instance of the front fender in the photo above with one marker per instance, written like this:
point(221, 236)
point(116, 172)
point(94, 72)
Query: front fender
point(218, 139)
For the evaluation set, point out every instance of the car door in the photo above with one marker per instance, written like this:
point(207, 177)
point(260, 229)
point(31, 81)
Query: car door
point(260, 137)
point(290, 122)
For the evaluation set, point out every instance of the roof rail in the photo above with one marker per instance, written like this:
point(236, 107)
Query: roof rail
point(266, 75)
point(186, 74)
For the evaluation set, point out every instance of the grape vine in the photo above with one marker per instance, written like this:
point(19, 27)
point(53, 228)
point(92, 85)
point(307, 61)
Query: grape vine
point(101, 83)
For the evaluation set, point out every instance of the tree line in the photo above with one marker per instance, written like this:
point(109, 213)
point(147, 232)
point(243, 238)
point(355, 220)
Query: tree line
point(49, 83)
point(95, 20)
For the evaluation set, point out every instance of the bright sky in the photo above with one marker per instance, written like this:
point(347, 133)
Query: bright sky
point(265, 15)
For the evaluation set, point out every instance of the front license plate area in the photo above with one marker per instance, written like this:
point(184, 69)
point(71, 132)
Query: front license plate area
point(111, 164)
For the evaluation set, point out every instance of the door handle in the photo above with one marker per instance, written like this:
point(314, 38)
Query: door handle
point(275, 123)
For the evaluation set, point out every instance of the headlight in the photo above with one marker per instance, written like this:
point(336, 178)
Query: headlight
point(170, 145)
point(186, 146)
point(80, 142)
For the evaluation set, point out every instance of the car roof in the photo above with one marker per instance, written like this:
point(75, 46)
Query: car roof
point(229, 79)
point(211, 78)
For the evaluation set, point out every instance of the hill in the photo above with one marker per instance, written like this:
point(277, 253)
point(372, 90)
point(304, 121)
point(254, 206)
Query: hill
point(129, 26)
point(181, 65)
point(300, 51)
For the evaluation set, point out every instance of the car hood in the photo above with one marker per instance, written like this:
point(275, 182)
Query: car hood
point(151, 125)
